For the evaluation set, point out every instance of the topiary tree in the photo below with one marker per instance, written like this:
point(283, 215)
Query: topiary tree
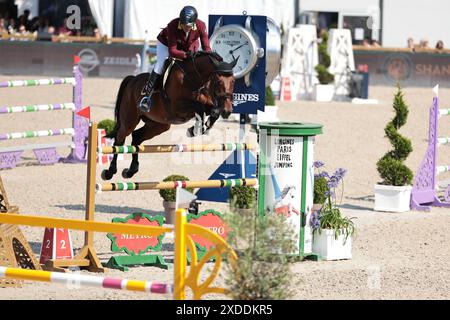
point(169, 195)
point(324, 76)
point(243, 197)
point(108, 125)
point(390, 166)
point(270, 100)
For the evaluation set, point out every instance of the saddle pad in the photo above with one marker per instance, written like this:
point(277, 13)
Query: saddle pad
point(169, 63)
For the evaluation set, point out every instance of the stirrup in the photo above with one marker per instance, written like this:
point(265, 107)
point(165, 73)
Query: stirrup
point(145, 104)
point(145, 90)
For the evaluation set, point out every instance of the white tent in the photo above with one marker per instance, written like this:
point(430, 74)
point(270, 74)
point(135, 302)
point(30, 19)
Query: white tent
point(143, 15)
point(32, 5)
point(103, 12)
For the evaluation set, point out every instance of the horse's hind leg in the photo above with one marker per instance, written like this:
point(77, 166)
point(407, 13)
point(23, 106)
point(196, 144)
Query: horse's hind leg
point(148, 131)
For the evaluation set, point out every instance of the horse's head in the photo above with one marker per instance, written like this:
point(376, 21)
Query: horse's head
point(222, 85)
point(217, 79)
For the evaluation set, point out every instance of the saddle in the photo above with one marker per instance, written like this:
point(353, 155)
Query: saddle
point(167, 68)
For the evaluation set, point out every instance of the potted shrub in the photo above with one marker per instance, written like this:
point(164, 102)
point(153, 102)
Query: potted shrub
point(108, 125)
point(242, 198)
point(169, 197)
point(263, 271)
point(393, 194)
point(324, 91)
point(332, 232)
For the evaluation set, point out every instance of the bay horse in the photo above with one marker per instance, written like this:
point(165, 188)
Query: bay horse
point(194, 88)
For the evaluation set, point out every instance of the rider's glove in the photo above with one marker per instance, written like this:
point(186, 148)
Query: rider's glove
point(190, 55)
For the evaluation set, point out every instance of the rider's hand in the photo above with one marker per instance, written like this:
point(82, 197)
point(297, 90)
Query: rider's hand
point(190, 55)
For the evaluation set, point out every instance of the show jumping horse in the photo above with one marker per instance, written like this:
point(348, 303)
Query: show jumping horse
point(195, 87)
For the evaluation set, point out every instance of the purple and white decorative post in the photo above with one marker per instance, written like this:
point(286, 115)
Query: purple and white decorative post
point(80, 124)
point(423, 194)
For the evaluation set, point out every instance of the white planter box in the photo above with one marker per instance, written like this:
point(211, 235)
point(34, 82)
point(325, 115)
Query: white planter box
point(324, 92)
point(329, 248)
point(270, 114)
point(392, 198)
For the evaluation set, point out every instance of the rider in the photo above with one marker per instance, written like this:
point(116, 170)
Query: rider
point(178, 40)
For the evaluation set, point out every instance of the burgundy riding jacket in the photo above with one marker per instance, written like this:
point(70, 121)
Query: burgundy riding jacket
point(175, 39)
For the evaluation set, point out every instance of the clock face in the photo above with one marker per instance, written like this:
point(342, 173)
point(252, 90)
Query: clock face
point(231, 42)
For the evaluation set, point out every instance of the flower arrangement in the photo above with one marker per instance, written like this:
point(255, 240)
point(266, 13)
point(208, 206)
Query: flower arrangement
point(329, 216)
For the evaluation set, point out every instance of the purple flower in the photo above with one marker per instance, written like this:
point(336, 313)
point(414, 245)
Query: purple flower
point(318, 164)
point(333, 182)
point(315, 220)
point(340, 173)
point(324, 175)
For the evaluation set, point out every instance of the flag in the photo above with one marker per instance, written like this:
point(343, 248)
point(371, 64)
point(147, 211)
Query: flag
point(86, 113)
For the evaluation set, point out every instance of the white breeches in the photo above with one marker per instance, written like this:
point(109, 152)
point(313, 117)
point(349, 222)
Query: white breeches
point(162, 52)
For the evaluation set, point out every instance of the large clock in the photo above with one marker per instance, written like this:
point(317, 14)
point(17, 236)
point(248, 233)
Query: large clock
point(234, 41)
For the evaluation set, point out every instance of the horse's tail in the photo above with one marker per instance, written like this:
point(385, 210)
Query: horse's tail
point(118, 103)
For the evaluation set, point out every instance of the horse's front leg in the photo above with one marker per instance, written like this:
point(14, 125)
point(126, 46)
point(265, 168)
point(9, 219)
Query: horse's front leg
point(112, 170)
point(214, 115)
point(199, 127)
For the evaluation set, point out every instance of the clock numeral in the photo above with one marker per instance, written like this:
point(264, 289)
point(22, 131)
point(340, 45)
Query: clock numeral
point(246, 61)
point(231, 33)
point(222, 35)
point(218, 42)
point(249, 52)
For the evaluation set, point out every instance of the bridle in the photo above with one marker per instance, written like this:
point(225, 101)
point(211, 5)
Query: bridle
point(216, 95)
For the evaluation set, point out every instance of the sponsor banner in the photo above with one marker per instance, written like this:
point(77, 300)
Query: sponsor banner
point(421, 69)
point(56, 59)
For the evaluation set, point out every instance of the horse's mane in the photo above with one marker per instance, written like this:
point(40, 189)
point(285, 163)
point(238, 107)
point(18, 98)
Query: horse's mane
point(220, 66)
point(211, 54)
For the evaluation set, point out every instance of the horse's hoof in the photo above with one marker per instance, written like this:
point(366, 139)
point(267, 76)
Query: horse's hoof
point(127, 174)
point(107, 175)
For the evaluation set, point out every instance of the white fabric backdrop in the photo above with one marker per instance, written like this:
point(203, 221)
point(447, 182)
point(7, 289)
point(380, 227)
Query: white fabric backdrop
point(103, 12)
point(142, 15)
point(32, 5)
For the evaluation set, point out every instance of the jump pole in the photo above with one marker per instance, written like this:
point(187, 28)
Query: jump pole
point(168, 148)
point(86, 280)
point(180, 279)
point(47, 154)
point(136, 186)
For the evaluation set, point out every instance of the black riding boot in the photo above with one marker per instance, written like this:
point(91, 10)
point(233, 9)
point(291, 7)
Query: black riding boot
point(145, 103)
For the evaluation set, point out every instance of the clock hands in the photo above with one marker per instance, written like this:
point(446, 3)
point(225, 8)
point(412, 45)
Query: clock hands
point(231, 51)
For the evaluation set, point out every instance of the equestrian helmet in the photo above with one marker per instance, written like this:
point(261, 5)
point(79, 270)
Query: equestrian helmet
point(188, 15)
